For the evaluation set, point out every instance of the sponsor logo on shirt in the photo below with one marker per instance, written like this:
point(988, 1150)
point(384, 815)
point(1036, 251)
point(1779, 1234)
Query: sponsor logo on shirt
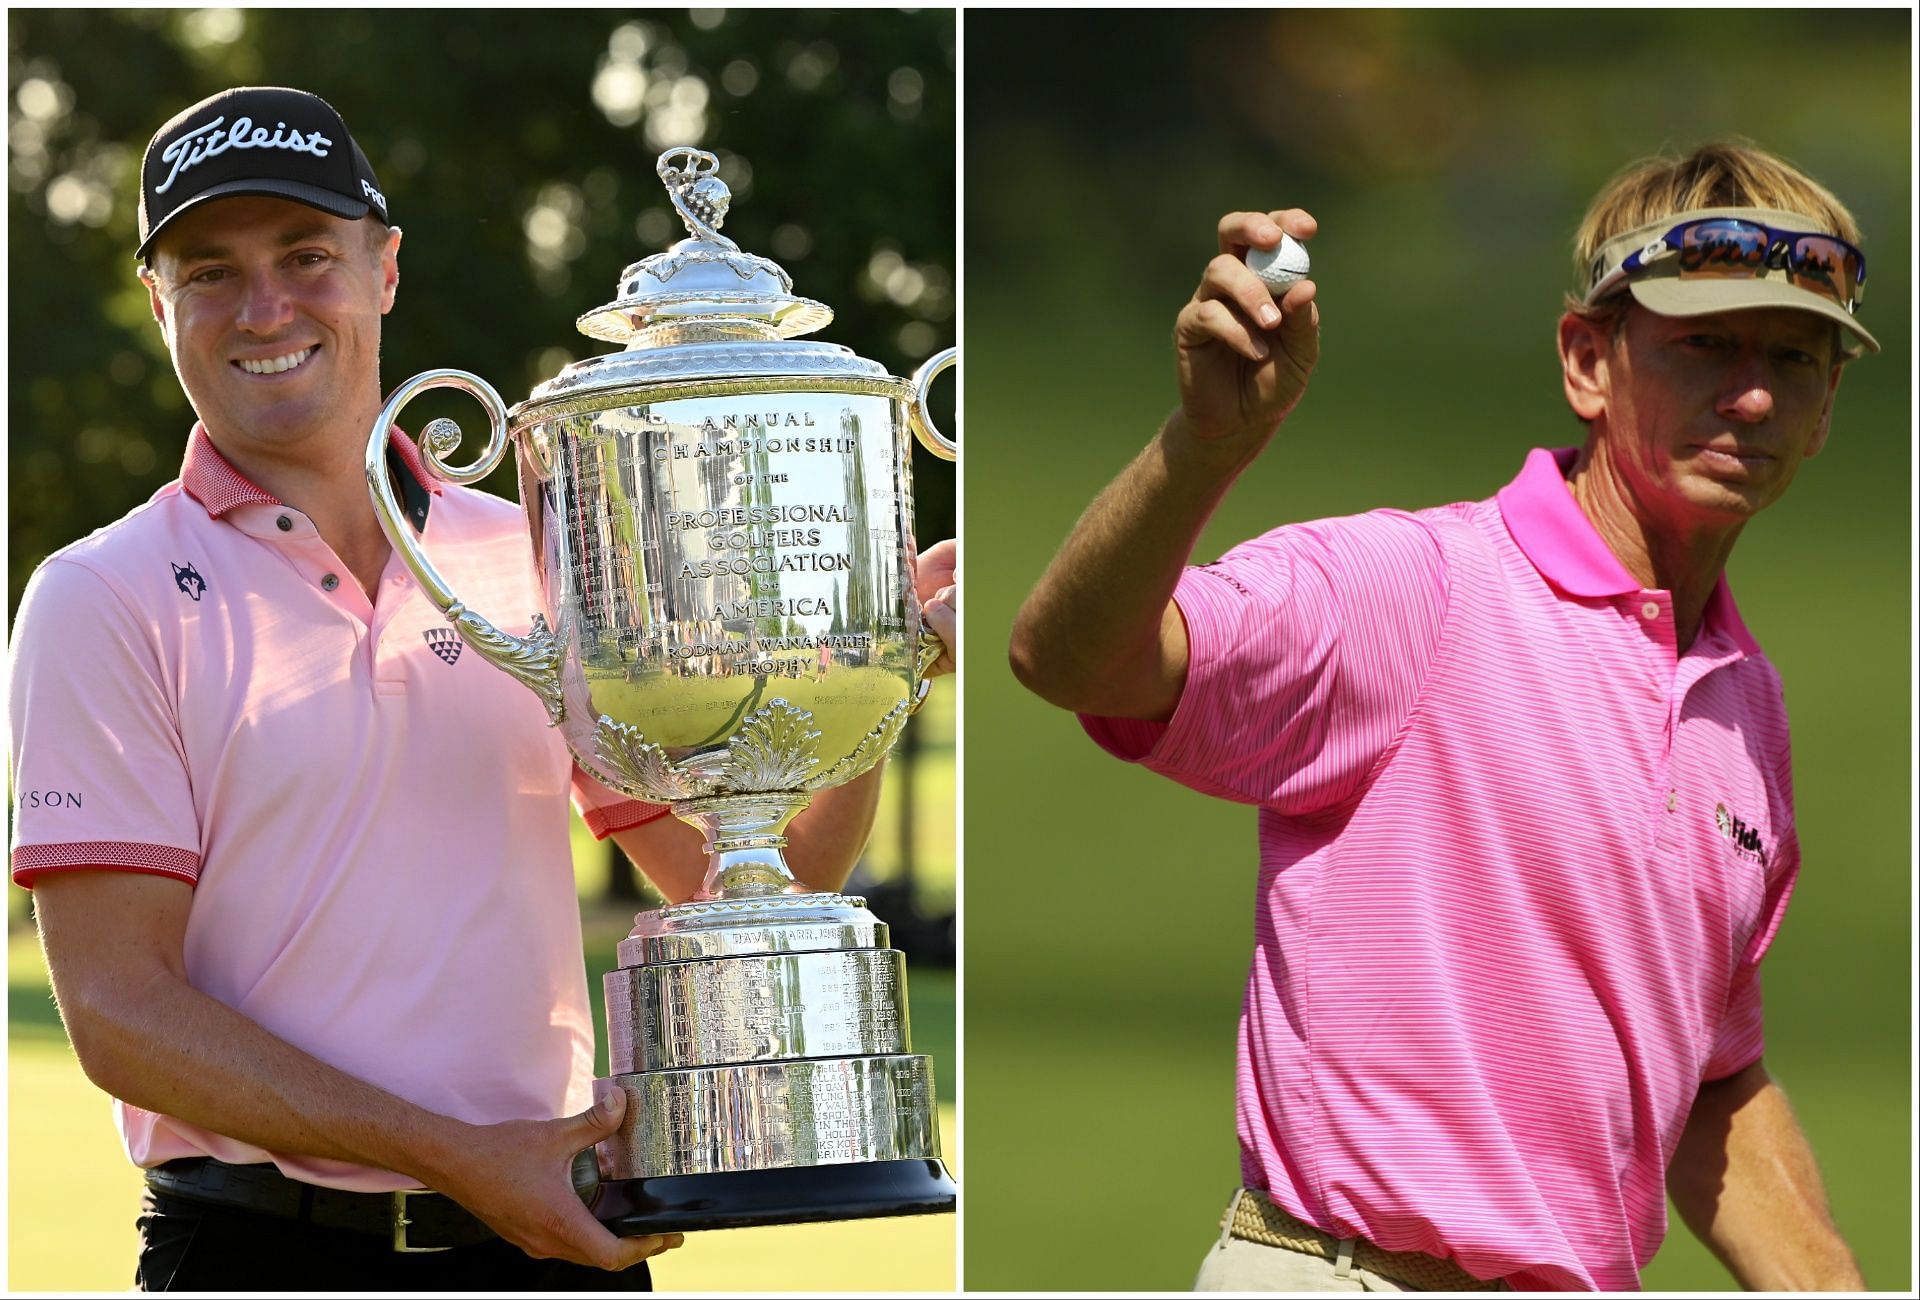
point(50, 799)
point(1746, 840)
point(1212, 572)
point(188, 579)
point(446, 643)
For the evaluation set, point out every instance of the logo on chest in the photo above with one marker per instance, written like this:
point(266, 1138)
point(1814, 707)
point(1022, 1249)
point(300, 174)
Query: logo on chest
point(1745, 839)
point(446, 643)
point(188, 579)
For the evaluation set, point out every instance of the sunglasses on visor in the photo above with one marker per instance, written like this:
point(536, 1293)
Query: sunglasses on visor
point(1728, 248)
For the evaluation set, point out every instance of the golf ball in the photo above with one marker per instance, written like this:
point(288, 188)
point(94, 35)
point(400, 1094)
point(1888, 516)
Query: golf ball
point(1280, 266)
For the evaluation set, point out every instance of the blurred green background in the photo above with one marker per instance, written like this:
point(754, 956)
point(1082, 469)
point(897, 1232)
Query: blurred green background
point(1449, 157)
point(517, 148)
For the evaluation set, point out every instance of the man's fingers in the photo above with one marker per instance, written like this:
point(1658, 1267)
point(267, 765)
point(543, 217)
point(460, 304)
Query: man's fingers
point(670, 1241)
point(1230, 280)
point(940, 612)
point(628, 1251)
point(1300, 326)
point(583, 1239)
point(1240, 231)
point(1201, 323)
point(576, 1235)
point(935, 567)
point(1297, 222)
point(603, 1118)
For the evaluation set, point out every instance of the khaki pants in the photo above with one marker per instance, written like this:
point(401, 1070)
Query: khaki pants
point(1235, 1265)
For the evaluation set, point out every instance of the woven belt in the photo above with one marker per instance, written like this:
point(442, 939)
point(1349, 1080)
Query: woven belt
point(1257, 1219)
point(413, 1221)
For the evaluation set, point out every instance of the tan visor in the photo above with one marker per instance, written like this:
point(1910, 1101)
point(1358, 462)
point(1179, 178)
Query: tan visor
point(1662, 287)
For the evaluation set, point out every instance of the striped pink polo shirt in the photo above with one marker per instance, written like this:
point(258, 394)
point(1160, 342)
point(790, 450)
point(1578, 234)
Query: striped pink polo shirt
point(374, 820)
point(1519, 862)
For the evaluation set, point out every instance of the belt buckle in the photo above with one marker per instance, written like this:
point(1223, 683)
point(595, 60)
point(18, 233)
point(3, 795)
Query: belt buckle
point(401, 1221)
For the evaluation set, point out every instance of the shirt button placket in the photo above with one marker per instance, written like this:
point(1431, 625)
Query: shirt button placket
point(330, 582)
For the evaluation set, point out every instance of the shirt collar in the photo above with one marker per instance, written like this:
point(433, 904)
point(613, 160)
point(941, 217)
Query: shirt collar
point(209, 478)
point(1555, 534)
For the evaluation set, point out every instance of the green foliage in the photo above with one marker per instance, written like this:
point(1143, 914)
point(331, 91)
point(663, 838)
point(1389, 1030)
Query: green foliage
point(836, 131)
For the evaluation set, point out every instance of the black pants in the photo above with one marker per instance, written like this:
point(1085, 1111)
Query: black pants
point(188, 1246)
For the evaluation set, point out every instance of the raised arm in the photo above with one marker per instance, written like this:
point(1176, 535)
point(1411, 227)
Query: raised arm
point(1100, 632)
point(114, 945)
point(1745, 1183)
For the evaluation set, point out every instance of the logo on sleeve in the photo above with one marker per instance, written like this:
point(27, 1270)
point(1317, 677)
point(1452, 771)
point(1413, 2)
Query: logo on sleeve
point(189, 581)
point(1211, 569)
point(446, 643)
point(1746, 840)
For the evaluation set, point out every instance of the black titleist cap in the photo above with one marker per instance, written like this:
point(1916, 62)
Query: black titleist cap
point(256, 140)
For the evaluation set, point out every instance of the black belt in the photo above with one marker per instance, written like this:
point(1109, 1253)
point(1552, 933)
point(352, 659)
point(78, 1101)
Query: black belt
point(413, 1221)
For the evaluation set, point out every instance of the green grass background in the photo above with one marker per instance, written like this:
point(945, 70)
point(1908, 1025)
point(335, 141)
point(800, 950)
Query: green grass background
point(1108, 918)
point(73, 1196)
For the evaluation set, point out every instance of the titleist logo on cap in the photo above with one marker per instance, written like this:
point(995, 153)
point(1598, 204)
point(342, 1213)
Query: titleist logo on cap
point(208, 141)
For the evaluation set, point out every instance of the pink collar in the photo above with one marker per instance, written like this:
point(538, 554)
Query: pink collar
point(1555, 534)
point(209, 478)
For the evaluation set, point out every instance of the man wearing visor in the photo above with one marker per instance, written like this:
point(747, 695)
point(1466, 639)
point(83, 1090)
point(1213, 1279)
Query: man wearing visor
point(1526, 808)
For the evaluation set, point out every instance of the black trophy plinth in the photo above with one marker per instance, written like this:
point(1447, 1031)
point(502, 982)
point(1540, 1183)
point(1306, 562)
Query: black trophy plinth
point(752, 1198)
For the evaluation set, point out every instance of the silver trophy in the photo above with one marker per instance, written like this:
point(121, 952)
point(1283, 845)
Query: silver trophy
point(722, 518)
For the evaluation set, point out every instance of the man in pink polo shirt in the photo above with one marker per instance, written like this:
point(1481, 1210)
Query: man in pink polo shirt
point(1526, 813)
point(300, 866)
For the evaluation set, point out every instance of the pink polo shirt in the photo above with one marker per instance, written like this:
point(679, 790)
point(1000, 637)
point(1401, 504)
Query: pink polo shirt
point(1519, 863)
point(372, 818)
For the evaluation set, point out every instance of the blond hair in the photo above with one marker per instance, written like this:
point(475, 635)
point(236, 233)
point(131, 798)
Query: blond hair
point(1723, 174)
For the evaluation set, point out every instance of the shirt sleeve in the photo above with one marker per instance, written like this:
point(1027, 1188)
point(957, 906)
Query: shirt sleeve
point(1307, 650)
point(100, 774)
point(607, 811)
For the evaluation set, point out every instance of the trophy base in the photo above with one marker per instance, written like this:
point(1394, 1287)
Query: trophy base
point(753, 1198)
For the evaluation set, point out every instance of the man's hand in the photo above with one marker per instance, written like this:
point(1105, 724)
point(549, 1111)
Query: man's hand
point(517, 1178)
point(1243, 358)
point(114, 946)
point(936, 581)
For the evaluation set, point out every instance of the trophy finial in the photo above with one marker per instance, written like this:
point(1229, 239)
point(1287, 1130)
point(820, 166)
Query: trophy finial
point(698, 193)
point(703, 283)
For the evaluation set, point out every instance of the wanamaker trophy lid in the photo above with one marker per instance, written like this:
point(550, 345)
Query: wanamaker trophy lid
point(704, 308)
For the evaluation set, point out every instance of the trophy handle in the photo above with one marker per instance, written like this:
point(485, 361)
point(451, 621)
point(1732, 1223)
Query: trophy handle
point(931, 438)
point(931, 648)
point(926, 655)
point(534, 658)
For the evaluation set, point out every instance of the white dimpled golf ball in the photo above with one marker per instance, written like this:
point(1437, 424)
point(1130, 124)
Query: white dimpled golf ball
point(1281, 266)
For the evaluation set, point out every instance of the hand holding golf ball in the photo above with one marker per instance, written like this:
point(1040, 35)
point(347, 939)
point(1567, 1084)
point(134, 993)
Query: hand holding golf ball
point(1250, 336)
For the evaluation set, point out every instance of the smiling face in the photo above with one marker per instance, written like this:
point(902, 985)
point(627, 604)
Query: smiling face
point(1703, 420)
point(271, 310)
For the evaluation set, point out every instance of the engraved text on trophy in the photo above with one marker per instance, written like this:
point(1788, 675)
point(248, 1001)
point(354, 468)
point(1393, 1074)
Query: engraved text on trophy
point(729, 550)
